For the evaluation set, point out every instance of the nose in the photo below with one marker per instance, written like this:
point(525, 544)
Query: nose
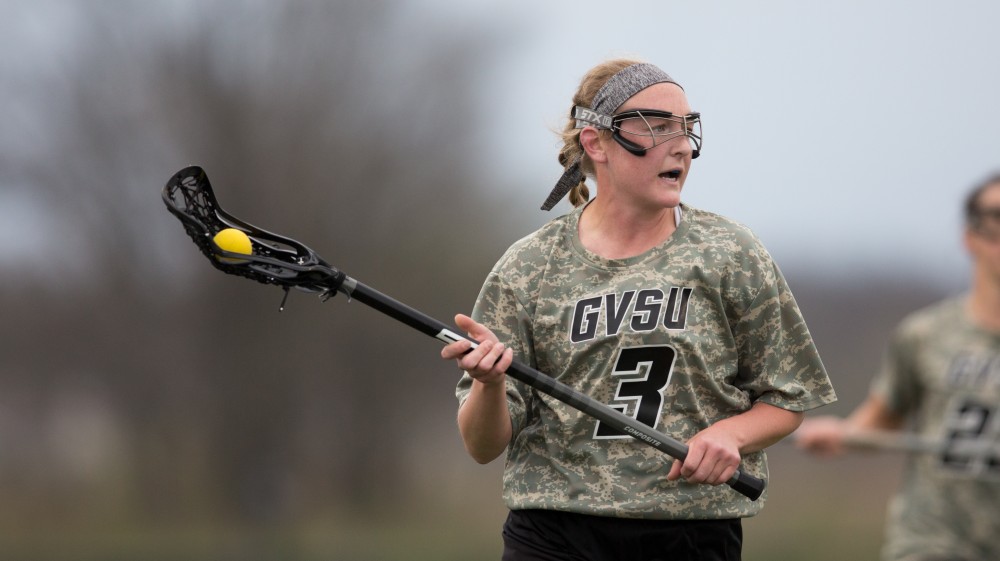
point(682, 147)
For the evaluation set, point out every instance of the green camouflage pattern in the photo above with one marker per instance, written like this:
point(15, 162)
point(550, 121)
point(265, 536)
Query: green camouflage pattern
point(713, 327)
point(943, 372)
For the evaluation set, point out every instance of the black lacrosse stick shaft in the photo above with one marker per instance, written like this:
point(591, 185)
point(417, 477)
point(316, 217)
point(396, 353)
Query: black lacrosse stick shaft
point(748, 485)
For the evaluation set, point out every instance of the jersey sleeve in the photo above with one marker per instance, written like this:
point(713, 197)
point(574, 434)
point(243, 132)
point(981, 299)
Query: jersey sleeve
point(779, 363)
point(500, 309)
point(897, 381)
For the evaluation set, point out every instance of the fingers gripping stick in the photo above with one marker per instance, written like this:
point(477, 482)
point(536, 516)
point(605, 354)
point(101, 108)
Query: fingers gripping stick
point(282, 261)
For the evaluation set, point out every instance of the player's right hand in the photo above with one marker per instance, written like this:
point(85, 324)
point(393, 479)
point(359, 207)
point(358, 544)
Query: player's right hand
point(488, 361)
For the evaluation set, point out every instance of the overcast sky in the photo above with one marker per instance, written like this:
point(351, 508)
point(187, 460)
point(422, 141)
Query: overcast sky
point(844, 133)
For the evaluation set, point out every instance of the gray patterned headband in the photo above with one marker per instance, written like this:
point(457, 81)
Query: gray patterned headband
point(616, 91)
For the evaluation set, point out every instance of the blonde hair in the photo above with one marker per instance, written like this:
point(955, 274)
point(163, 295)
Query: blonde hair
point(572, 150)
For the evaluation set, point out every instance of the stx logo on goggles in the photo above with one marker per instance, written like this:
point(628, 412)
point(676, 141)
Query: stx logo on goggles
point(590, 116)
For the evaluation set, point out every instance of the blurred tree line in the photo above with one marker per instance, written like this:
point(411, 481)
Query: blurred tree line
point(137, 375)
point(138, 385)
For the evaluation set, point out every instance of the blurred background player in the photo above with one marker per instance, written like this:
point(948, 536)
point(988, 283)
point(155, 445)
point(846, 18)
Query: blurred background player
point(941, 379)
point(676, 316)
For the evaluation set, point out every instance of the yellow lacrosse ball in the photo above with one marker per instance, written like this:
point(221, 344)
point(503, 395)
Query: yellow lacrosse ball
point(235, 241)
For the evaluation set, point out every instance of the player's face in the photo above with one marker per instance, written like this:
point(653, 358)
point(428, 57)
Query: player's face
point(657, 178)
point(983, 242)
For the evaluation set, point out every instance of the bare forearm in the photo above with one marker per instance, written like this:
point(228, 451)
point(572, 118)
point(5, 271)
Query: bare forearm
point(484, 422)
point(874, 414)
point(761, 426)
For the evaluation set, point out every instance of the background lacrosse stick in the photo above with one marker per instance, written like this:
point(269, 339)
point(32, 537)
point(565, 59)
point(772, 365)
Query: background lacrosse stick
point(892, 441)
point(919, 444)
point(980, 454)
point(289, 264)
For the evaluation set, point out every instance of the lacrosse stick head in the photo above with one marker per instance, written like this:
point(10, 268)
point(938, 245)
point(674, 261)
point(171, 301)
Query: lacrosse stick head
point(274, 259)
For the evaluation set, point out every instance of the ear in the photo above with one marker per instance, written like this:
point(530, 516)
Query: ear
point(969, 240)
point(590, 139)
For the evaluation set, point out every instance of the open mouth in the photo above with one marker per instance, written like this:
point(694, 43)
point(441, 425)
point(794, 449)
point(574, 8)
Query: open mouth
point(673, 174)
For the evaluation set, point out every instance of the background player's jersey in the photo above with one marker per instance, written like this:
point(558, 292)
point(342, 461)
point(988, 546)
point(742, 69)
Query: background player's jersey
point(944, 373)
point(691, 332)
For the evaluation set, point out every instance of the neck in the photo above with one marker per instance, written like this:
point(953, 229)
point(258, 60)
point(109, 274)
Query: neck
point(617, 232)
point(984, 302)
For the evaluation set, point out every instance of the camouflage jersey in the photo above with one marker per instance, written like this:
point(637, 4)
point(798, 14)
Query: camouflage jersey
point(943, 372)
point(693, 331)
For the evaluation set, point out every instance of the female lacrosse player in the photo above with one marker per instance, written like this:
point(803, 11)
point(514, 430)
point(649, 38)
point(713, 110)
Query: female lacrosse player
point(675, 316)
point(941, 379)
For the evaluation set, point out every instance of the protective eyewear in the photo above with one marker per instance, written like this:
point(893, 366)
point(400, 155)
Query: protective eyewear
point(986, 223)
point(642, 129)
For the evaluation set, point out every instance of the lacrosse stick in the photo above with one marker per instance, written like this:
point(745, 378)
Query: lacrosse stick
point(968, 453)
point(919, 444)
point(289, 264)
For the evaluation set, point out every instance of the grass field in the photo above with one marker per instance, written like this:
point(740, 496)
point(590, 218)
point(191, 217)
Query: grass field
point(816, 511)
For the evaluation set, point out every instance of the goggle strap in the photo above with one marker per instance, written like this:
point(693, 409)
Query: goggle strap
point(570, 178)
point(585, 117)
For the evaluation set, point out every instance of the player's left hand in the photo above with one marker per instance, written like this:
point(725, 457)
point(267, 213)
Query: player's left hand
point(713, 457)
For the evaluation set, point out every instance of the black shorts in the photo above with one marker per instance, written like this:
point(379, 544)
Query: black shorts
point(549, 535)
